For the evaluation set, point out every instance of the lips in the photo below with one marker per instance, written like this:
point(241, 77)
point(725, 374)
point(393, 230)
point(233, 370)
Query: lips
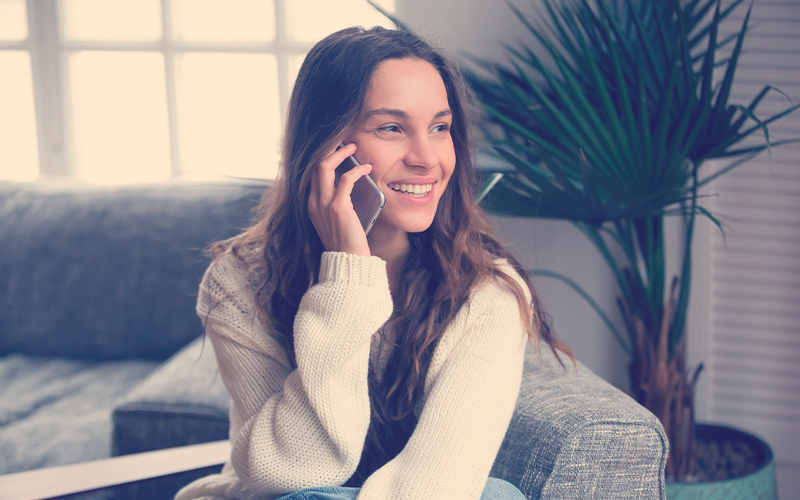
point(412, 190)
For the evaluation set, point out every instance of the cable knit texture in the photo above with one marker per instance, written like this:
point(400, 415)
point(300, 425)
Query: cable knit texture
point(294, 429)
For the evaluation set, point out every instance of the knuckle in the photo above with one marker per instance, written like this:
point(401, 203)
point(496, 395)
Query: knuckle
point(352, 175)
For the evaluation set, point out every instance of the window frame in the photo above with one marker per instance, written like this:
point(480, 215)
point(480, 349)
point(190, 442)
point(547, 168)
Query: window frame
point(50, 52)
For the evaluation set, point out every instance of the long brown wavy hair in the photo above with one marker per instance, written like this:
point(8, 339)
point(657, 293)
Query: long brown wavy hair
point(444, 263)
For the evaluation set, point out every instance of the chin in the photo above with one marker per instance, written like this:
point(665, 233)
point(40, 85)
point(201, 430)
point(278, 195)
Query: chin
point(407, 222)
point(416, 226)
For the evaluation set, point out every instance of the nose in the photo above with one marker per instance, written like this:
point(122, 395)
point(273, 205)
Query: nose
point(421, 153)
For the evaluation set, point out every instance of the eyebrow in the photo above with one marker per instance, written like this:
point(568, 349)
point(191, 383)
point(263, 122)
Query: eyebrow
point(399, 113)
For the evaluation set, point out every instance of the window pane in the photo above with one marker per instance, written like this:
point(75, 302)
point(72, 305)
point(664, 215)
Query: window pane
point(13, 20)
point(19, 158)
point(119, 108)
point(224, 20)
point(295, 62)
point(331, 16)
point(132, 20)
point(228, 114)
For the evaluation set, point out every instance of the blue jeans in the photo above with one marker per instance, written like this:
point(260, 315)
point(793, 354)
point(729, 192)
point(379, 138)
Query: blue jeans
point(495, 489)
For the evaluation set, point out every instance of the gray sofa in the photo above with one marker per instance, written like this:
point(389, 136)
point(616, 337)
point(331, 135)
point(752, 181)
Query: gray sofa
point(101, 353)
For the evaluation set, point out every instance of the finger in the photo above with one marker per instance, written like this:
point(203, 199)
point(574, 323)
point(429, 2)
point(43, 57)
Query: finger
point(327, 167)
point(326, 171)
point(340, 153)
point(348, 180)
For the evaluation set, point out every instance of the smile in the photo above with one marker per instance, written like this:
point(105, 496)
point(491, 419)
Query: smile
point(413, 190)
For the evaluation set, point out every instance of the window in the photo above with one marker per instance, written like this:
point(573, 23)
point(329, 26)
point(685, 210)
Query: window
point(19, 156)
point(120, 91)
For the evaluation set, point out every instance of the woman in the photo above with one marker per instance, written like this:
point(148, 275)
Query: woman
point(381, 366)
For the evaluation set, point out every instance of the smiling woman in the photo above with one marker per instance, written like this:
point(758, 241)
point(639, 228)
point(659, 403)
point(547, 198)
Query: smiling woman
point(148, 90)
point(380, 366)
point(404, 134)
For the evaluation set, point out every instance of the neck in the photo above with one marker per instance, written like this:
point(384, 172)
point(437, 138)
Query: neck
point(391, 246)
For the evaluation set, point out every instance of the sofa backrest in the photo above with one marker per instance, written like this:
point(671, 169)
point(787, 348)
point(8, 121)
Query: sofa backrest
point(109, 273)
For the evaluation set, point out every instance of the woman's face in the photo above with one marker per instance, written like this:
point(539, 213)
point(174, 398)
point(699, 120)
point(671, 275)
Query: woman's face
point(404, 133)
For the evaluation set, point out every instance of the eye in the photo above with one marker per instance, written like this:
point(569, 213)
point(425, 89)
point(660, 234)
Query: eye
point(389, 129)
point(442, 127)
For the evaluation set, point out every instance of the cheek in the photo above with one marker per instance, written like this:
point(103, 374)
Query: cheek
point(449, 166)
point(446, 183)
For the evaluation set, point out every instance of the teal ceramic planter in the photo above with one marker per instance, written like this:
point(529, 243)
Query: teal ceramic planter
point(758, 485)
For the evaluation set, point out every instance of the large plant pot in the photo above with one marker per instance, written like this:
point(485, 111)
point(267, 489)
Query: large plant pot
point(758, 485)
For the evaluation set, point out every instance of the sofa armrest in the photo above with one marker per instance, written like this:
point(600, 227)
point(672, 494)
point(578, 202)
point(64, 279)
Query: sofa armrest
point(182, 402)
point(573, 435)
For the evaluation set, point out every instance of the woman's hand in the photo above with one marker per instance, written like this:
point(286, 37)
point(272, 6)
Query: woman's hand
point(331, 209)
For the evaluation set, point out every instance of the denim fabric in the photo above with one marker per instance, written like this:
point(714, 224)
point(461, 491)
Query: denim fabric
point(324, 493)
point(496, 489)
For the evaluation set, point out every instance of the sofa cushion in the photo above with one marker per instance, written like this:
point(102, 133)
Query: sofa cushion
point(109, 272)
point(56, 411)
point(182, 402)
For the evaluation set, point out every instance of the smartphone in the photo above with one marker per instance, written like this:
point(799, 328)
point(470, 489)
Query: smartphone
point(367, 198)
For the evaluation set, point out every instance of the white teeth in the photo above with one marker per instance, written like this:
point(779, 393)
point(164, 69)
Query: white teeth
point(416, 190)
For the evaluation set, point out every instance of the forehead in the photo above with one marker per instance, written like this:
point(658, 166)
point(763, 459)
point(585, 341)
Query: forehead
point(406, 84)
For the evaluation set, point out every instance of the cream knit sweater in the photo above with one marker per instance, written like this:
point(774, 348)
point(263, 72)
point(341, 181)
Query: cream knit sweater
point(294, 429)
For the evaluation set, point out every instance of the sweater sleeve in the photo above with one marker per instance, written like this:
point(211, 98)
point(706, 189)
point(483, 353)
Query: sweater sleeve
point(469, 403)
point(292, 429)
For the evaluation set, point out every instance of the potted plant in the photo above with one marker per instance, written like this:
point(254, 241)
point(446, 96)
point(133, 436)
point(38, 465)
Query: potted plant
point(607, 119)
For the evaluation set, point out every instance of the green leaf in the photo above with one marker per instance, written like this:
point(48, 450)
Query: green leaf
point(715, 153)
point(727, 81)
point(487, 186)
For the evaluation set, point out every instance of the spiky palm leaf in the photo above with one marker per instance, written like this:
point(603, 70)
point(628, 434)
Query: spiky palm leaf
point(600, 123)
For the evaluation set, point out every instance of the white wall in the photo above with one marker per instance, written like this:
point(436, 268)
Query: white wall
point(476, 27)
